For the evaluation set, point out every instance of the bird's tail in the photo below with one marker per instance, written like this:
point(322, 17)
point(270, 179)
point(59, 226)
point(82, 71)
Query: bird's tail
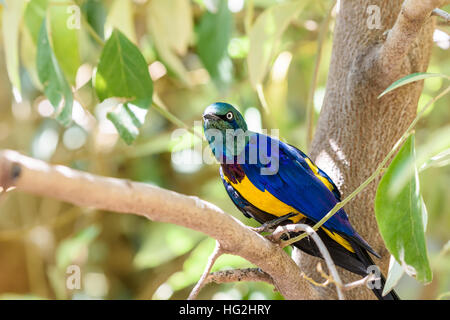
point(358, 262)
point(377, 287)
point(392, 295)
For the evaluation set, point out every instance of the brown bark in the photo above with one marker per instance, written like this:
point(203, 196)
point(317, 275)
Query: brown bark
point(87, 190)
point(356, 130)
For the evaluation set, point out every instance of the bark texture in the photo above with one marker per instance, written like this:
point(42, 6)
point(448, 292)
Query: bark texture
point(356, 130)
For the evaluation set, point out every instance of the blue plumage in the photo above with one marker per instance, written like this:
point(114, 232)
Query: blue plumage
point(267, 178)
point(295, 184)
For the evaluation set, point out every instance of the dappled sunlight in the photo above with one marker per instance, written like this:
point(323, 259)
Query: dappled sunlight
point(338, 152)
point(102, 103)
point(330, 165)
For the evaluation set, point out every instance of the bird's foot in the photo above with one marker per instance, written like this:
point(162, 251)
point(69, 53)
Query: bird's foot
point(271, 225)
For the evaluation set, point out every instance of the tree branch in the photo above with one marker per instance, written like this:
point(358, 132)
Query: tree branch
point(412, 17)
point(257, 275)
point(202, 281)
point(239, 275)
point(359, 283)
point(123, 196)
point(276, 236)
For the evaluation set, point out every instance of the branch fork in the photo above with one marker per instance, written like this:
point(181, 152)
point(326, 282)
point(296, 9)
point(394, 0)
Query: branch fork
point(256, 274)
point(84, 189)
point(386, 63)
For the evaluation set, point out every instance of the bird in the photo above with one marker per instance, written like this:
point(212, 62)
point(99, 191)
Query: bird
point(274, 182)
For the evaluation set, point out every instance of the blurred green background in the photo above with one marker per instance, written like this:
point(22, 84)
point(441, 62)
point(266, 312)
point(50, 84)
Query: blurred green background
point(129, 257)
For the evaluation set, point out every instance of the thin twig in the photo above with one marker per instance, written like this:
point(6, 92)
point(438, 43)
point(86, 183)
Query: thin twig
point(162, 109)
point(315, 283)
point(312, 89)
point(345, 287)
point(212, 258)
point(375, 174)
point(258, 275)
point(359, 283)
point(281, 230)
point(348, 286)
point(442, 14)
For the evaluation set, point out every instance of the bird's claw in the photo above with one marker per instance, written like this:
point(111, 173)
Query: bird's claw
point(271, 225)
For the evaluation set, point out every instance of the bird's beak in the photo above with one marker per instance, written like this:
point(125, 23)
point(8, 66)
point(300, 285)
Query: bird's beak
point(210, 116)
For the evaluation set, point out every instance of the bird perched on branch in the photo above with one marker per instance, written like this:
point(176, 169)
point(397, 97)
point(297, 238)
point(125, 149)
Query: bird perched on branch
point(269, 180)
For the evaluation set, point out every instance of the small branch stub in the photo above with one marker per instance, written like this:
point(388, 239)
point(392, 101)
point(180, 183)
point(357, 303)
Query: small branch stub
point(201, 283)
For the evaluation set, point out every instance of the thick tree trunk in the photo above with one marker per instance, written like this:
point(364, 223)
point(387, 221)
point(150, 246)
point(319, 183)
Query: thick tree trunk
point(356, 130)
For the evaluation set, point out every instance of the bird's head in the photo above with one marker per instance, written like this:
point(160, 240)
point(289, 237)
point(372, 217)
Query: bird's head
point(222, 120)
point(223, 116)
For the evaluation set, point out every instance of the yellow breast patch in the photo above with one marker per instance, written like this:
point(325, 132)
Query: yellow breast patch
point(264, 201)
point(267, 202)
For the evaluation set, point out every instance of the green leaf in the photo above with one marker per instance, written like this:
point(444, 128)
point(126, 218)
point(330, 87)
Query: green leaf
point(125, 122)
point(64, 37)
point(28, 51)
point(214, 33)
point(438, 143)
point(265, 35)
point(401, 217)
point(440, 160)
point(34, 15)
point(52, 78)
point(123, 73)
point(395, 273)
point(171, 36)
point(11, 18)
point(411, 78)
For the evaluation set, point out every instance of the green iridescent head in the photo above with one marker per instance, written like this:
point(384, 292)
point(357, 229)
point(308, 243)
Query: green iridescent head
point(223, 116)
point(224, 126)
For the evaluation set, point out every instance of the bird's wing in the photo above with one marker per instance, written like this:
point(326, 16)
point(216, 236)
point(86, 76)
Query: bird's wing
point(307, 163)
point(292, 181)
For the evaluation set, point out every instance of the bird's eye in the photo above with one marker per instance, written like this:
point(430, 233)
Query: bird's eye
point(229, 115)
